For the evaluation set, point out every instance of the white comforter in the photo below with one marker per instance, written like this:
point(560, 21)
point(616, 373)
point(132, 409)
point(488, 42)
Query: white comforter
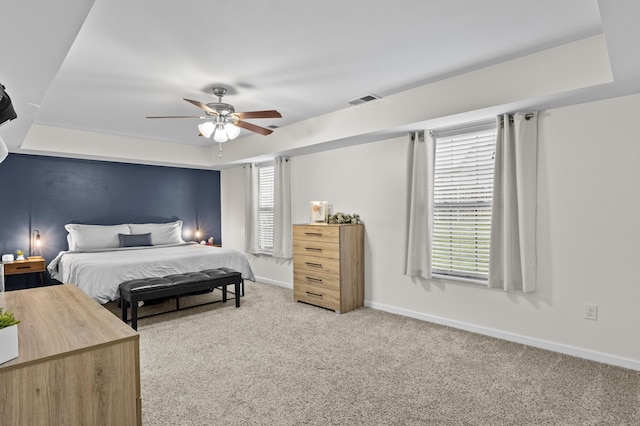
point(98, 273)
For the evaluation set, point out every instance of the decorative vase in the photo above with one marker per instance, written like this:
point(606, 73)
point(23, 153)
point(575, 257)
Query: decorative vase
point(8, 343)
point(20, 258)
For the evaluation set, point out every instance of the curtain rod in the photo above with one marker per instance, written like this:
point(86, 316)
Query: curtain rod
point(528, 116)
point(419, 134)
point(469, 127)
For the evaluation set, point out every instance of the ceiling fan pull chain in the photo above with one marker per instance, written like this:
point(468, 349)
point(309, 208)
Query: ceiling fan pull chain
point(220, 149)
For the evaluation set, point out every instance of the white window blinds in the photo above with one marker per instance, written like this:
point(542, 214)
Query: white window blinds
point(265, 208)
point(463, 189)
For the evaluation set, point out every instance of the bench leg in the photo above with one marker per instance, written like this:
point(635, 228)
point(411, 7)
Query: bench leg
point(241, 286)
point(134, 314)
point(237, 285)
point(224, 293)
point(123, 309)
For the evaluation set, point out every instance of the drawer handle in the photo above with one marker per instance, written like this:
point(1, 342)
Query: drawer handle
point(314, 265)
point(23, 267)
point(313, 249)
point(314, 294)
point(316, 280)
point(313, 234)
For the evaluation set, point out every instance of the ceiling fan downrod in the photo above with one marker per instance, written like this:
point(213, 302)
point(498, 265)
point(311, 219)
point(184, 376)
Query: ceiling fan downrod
point(219, 92)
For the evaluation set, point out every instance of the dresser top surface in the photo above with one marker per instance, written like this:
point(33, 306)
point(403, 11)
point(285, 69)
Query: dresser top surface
point(59, 319)
point(328, 224)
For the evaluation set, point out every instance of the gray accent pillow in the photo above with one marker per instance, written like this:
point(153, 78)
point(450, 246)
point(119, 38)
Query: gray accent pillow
point(135, 240)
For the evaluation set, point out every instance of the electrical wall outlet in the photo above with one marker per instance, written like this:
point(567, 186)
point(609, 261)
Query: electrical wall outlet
point(591, 312)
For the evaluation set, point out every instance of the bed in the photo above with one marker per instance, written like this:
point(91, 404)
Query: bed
point(101, 257)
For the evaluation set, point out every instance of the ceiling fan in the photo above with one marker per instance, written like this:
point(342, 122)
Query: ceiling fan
point(224, 122)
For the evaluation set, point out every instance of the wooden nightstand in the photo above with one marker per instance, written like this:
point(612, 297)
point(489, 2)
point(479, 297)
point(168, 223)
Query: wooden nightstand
point(34, 264)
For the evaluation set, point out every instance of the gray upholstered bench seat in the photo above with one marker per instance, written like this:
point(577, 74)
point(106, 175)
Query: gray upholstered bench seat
point(151, 288)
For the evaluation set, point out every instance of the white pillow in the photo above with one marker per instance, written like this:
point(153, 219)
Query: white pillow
point(91, 237)
point(161, 233)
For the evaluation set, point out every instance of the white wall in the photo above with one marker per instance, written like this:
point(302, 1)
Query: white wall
point(588, 234)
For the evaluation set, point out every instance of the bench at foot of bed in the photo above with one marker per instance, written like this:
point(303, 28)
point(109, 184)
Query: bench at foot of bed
point(146, 289)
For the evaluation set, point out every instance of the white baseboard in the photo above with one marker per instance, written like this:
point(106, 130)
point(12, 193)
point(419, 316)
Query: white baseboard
point(274, 282)
point(512, 337)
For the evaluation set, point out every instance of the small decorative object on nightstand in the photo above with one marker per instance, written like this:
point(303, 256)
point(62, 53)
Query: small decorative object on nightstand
point(19, 255)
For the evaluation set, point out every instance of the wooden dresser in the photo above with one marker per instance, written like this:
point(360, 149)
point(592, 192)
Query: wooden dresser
point(78, 364)
point(328, 265)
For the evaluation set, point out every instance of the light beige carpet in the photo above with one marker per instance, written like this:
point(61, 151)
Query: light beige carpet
point(275, 362)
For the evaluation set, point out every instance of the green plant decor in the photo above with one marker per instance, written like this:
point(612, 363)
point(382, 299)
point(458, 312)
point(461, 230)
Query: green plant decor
point(340, 217)
point(19, 252)
point(7, 319)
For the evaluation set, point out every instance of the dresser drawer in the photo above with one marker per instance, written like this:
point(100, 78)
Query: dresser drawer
point(315, 264)
point(19, 267)
point(316, 248)
point(316, 233)
point(317, 279)
point(326, 298)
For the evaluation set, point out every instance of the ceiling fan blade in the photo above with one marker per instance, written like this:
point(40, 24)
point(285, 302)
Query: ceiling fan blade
point(252, 127)
point(203, 106)
point(177, 116)
point(272, 113)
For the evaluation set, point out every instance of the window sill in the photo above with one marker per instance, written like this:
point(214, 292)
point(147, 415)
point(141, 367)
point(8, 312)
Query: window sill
point(447, 279)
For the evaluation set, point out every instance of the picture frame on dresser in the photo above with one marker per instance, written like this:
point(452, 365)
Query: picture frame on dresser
point(319, 211)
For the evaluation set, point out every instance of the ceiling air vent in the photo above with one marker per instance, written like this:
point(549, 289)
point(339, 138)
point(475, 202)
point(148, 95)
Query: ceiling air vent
point(364, 99)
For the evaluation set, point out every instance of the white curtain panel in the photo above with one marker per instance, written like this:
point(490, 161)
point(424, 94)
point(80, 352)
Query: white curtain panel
point(3, 150)
point(251, 209)
point(512, 259)
point(419, 238)
point(282, 233)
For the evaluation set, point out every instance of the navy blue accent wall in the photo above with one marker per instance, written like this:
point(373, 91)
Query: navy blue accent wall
point(45, 193)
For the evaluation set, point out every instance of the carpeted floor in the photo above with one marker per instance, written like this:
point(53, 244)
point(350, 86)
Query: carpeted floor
point(275, 362)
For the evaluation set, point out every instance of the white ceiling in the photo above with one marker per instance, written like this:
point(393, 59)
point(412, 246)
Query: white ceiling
point(102, 66)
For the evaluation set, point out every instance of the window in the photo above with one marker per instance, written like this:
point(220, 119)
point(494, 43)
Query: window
point(265, 208)
point(463, 192)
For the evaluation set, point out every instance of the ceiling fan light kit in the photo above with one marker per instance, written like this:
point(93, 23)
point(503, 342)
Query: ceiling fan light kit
point(219, 131)
point(224, 123)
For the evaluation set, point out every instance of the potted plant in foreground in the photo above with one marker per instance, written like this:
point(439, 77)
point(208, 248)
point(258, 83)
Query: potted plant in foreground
point(8, 336)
